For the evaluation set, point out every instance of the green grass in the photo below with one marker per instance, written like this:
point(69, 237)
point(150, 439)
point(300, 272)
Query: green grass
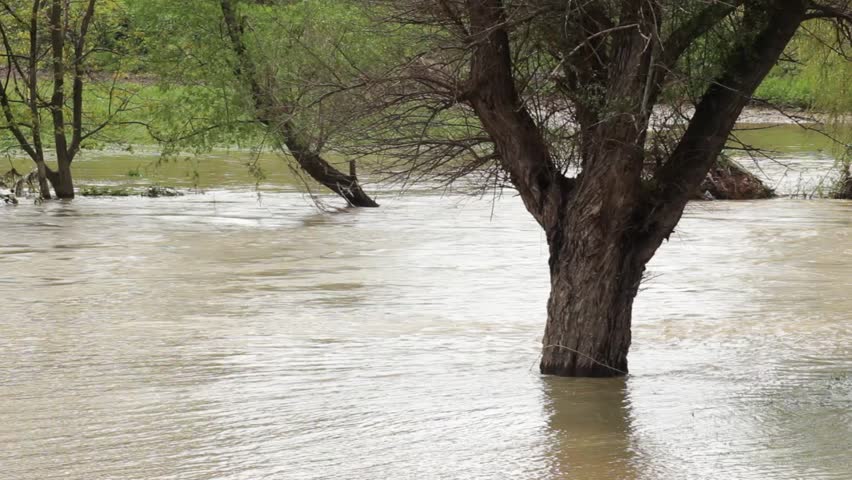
point(817, 80)
point(148, 113)
point(789, 91)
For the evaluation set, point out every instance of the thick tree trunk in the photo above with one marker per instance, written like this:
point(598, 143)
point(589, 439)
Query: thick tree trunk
point(594, 268)
point(62, 181)
point(605, 224)
point(595, 271)
point(589, 316)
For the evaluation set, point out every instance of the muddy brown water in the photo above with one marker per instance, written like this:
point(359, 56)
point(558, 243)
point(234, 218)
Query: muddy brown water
point(231, 336)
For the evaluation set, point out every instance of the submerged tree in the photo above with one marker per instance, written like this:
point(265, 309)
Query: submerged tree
point(575, 104)
point(45, 47)
point(255, 74)
point(276, 112)
point(843, 189)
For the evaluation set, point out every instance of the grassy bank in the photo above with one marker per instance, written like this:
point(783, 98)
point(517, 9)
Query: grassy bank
point(140, 112)
point(812, 75)
point(805, 92)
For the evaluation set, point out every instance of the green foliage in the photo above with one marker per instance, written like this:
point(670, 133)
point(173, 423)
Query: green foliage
point(814, 76)
point(788, 90)
point(170, 66)
point(306, 51)
point(110, 98)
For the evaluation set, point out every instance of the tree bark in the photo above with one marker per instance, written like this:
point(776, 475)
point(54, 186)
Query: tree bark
point(62, 181)
point(593, 283)
point(43, 187)
point(346, 186)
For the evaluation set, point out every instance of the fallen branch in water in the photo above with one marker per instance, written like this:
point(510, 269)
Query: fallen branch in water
point(153, 191)
point(15, 183)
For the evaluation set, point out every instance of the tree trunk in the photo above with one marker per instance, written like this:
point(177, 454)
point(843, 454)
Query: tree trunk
point(843, 190)
point(606, 223)
point(63, 183)
point(43, 187)
point(594, 278)
point(346, 186)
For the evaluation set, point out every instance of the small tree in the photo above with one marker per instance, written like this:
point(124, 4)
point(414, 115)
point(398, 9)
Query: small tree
point(45, 47)
point(277, 113)
point(257, 74)
point(604, 115)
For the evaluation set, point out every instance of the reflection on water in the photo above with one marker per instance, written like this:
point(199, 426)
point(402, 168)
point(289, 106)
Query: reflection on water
point(589, 420)
point(234, 337)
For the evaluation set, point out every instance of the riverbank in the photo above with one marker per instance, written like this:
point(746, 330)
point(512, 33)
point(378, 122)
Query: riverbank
point(798, 162)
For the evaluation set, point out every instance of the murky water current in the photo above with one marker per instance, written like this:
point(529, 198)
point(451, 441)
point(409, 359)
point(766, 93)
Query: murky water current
point(222, 336)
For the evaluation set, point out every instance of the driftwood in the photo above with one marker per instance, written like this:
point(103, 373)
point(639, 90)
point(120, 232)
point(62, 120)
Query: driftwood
point(9, 198)
point(8, 182)
point(727, 180)
point(15, 183)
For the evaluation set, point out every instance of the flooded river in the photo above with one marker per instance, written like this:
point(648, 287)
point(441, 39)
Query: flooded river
point(232, 335)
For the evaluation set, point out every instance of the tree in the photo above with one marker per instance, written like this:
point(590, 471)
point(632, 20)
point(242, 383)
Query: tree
point(253, 73)
point(49, 36)
point(567, 101)
point(277, 114)
point(843, 190)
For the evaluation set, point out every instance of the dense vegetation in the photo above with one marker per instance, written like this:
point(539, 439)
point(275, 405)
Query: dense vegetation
point(813, 74)
point(170, 63)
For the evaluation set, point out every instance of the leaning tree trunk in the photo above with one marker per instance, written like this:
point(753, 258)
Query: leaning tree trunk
point(278, 117)
point(346, 186)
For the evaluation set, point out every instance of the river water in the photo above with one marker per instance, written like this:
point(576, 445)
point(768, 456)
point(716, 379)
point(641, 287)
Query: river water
point(232, 335)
